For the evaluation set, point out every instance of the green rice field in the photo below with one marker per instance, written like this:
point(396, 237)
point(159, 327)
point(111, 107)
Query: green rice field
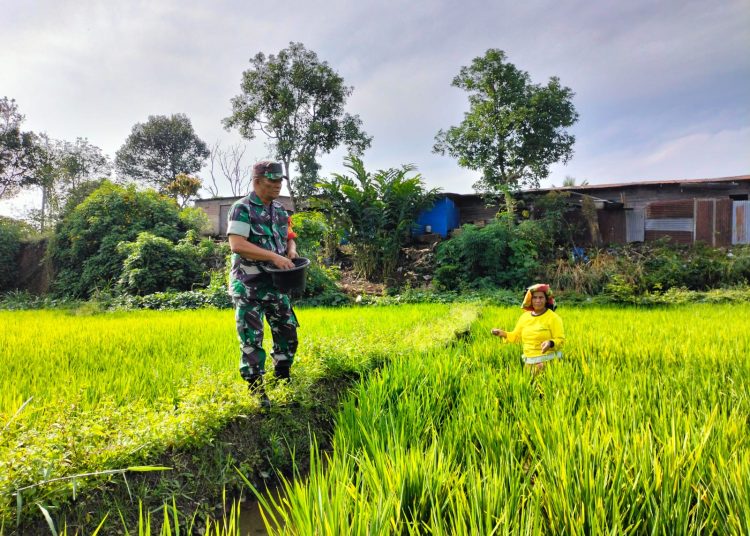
point(643, 427)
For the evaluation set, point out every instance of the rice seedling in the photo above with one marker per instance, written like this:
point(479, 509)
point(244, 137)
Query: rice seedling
point(84, 397)
point(641, 429)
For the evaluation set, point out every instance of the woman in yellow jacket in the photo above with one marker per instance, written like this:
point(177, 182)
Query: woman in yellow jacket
point(539, 328)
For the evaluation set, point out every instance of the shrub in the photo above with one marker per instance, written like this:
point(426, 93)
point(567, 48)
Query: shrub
point(739, 265)
point(501, 254)
point(311, 229)
point(154, 264)
point(321, 288)
point(84, 246)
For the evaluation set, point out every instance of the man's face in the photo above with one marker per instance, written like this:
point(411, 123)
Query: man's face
point(267, 189)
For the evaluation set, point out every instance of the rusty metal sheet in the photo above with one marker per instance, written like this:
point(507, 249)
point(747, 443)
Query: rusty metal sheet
point(723, 222)
point(704, 221)
point(741, 222)
point(682, 208)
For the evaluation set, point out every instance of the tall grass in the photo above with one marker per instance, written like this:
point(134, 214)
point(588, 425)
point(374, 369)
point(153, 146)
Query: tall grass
point(88, 394)
point(641, 429)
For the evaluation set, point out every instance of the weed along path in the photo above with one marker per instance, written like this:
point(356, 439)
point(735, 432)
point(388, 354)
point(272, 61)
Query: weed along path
point(140, 418)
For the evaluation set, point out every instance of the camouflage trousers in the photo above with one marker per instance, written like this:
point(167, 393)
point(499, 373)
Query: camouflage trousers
point(248, 315)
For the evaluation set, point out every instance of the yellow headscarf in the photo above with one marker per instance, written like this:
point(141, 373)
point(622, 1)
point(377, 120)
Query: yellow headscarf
point(539, 287)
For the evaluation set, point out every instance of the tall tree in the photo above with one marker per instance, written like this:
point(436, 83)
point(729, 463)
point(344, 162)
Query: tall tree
point(19, 154)
point(160, 149)
point(63, 168)
point(514, 130)
point(297, 101)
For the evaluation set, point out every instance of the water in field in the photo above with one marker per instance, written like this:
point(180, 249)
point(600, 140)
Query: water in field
point(251, 519)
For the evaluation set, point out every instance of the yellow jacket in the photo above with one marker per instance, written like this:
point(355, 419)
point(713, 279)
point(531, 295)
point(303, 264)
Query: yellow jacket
point(532, 331)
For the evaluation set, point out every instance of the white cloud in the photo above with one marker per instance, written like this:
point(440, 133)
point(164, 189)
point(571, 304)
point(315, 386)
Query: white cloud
point(723, 153)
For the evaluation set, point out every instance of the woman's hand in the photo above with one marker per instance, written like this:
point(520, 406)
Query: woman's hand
point(498, 333)
point(546, 345)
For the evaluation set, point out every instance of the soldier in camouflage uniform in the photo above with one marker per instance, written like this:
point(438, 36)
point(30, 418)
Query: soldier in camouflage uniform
point(259, 233)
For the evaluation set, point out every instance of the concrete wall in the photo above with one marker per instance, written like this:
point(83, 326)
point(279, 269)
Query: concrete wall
point(34, 272)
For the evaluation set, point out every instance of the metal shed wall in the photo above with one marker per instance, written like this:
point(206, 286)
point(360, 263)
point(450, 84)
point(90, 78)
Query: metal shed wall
point(612, 226)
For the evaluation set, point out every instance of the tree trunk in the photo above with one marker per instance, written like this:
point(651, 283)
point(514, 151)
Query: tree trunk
point(289, 186)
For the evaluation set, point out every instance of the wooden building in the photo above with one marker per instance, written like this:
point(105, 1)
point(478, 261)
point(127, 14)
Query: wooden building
point(713, 211)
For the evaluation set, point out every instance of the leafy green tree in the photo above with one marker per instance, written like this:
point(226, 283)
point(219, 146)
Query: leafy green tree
point(160, 149)
point(18, 150)
point(514, 130)
point(84, 246)
point(298, 102)
point(63, 169)
point(183, 188)
point(377, 211)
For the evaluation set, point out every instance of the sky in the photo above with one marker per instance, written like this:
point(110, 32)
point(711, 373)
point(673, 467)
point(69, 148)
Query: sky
point(662, 88)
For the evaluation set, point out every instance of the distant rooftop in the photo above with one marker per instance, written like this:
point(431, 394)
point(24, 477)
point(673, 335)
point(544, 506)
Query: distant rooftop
point(736, 178)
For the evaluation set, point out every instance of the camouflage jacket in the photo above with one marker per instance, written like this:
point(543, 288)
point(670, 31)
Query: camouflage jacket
point(264, 226)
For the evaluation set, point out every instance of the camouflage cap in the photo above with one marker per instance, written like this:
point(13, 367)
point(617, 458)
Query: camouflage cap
point(269, 169)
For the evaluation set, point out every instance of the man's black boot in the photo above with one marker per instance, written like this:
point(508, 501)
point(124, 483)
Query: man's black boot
point(255, 386)
point(283, 371)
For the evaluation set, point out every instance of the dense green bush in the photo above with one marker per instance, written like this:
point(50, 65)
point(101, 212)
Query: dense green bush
point(501, 254)
point(739, 265)
point(321, 288)
point(311, 229)
point(214, 295)
point(154, 264)
point(696, 267)
point(84, 246)
point(313, 233)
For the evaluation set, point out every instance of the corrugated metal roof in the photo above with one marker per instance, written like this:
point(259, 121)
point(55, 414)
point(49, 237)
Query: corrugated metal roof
point(737, 178)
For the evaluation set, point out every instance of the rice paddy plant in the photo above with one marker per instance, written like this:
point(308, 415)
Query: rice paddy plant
point(98, 393)
point(641, 429)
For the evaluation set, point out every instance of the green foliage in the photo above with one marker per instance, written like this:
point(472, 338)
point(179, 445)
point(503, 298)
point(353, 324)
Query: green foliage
point(313, 232)
point(377, 211)
point(154, 264)
point(514, 130)
point(501, 254)
point(84, 247)
point(183, 188)
point(160, 149)
point(19, 151)
point(298, 102)
point(557, 218)
point(321, 288)
point(67, 172)
point(739, 265)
